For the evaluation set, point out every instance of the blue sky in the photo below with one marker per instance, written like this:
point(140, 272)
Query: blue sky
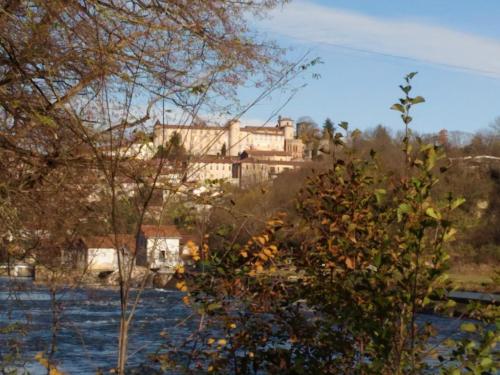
point(368, 46)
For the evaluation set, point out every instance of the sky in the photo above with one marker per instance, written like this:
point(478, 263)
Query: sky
point(367, 47)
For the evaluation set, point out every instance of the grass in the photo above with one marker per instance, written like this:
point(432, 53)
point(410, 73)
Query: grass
point(472, 278)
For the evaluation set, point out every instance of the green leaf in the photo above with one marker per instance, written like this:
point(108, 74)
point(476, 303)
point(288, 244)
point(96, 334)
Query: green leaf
point(486, 362)
point(431, 157)
point(344, 125)
point(411, 75)
point(450, 304)
point(403, 208)
point(468, 327)
point(407, 119)
point(405, 89)
point(417, 100)
point(457, 203)
point(380, 195)
point(213, 306)
point(450, 233)
point(398, 107)
point(433, 213)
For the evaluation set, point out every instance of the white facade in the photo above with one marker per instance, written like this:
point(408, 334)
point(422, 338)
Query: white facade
point(221, 169)
point(102, 259)
point(163, 252)
point(210, 140)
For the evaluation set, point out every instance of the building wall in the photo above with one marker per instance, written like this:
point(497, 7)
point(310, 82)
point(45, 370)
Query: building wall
point(196, 140)
point(201, 171)
point(256, 172)
point(102, 259)
point(271, 140)
point(209, 140)
point(163, 252)
point(295, 147)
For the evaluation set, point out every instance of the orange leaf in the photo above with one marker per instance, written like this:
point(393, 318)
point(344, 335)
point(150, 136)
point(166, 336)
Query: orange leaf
point(349, 262)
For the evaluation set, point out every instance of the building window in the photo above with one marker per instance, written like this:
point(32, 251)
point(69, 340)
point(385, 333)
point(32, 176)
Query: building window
point(235, 171)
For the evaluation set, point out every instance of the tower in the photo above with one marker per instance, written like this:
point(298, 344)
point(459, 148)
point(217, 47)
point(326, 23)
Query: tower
point(286, 124)
point(234, 137)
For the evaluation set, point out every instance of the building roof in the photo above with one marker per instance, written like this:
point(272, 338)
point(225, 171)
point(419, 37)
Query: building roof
point(187, 126)
point(262, 129)
point(160, 231)
point(207, 159)
point(109, 241)
point(251, 152)
point(273, 162)
point(252, 129)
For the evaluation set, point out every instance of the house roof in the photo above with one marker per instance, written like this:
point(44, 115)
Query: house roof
point(262, 129)
point(160, 231)
point(109, 241)
point(252, 129)
point(207, 159)
point(257, 152)
point(251, 160)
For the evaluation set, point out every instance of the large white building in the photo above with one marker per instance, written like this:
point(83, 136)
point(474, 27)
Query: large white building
point(233, 139)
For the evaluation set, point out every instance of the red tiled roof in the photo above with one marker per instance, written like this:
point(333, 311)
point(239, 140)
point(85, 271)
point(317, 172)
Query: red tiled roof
point(267, 153)
point(253, 129)
point(262, 129)
point(160, 231)
point(214, 159)
point(272, 162)
point(207, 127)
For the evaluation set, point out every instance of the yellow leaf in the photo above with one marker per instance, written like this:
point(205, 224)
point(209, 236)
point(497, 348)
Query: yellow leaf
point(181, 285)
point(268, 252)
point(262, 256)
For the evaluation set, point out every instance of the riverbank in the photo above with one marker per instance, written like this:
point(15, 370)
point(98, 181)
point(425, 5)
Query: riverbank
point(475, 278)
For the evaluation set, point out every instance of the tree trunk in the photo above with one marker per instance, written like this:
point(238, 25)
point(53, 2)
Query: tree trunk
point(122, 345)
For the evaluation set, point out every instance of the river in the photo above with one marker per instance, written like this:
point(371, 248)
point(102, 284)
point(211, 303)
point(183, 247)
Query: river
point(87, 339)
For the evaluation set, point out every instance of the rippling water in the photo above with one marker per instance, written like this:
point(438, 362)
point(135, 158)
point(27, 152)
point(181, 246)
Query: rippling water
point(87, 339)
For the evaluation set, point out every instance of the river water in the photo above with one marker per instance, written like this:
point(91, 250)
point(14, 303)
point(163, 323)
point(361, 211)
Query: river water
point(87, 339)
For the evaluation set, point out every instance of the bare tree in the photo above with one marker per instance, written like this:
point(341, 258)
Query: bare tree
point(78, 77)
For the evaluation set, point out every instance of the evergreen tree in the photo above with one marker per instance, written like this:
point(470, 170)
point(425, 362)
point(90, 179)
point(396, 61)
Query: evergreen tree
point(328, 128)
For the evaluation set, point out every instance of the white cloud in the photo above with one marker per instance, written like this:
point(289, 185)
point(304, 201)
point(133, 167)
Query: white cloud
point(312, 23)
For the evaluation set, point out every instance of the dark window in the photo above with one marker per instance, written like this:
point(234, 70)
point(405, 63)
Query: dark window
point(235, 171)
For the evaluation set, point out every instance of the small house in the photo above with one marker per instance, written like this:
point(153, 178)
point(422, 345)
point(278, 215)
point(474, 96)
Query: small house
point(100, 252)
point(158, 246)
